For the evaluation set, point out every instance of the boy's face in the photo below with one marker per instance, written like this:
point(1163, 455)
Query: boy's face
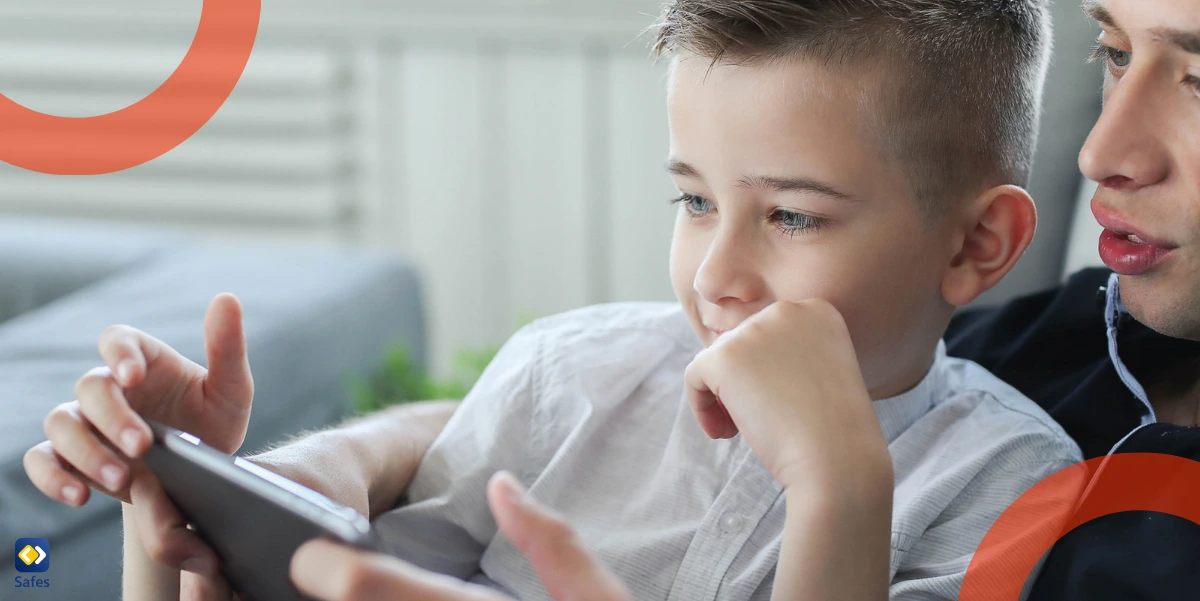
point(787, 196)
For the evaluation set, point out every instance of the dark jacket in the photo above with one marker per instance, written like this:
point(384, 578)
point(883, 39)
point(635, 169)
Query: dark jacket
point(1054, 347)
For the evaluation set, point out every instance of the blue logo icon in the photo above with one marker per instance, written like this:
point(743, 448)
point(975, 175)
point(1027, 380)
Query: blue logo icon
point(32, 555)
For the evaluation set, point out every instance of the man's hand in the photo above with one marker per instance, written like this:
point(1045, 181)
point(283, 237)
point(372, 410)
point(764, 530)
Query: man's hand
point(789, 381)
point(569, 572)
point(96, 440)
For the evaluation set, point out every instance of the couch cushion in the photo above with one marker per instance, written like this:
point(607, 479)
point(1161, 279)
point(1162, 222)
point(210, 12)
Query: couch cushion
point(44, 259)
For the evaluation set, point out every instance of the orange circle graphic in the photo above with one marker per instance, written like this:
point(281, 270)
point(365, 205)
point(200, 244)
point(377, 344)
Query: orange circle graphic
point(1125, 482)
point(154, 125)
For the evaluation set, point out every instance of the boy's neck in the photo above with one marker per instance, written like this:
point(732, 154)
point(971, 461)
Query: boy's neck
point(902, 383)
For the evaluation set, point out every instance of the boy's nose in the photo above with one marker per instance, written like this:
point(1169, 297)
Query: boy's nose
point(729, 273)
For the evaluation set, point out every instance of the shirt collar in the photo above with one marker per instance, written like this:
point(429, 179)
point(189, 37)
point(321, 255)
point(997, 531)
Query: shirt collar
point(1114, 314)
point(897, 414)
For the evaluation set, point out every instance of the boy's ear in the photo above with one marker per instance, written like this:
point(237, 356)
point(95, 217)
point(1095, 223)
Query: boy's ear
point(998, 227)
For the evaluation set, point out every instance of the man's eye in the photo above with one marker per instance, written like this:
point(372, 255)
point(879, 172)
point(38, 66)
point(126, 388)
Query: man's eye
point(1117, 57)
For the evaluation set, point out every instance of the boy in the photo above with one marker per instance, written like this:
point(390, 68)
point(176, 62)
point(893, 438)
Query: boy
point(861, 152)
point(848, 173)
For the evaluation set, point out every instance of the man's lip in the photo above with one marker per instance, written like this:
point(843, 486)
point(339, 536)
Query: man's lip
point(1114, 222)
point(1130, 258)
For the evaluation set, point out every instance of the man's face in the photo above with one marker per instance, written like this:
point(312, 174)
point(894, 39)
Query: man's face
point(786, 196)
point(1145, 153)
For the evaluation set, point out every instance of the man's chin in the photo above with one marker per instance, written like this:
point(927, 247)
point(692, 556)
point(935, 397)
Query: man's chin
point(1162, 307)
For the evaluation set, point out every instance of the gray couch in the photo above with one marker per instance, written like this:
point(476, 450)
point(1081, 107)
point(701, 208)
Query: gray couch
point(313, 320)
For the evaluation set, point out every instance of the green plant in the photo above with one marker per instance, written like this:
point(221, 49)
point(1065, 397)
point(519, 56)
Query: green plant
point(399, 381)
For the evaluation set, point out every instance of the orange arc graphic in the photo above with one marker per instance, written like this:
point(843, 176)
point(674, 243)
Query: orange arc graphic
point(1125, 482)
point(154, 125)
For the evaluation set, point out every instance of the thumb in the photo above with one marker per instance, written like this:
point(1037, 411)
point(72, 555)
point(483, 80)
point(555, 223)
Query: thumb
point(225, 346)
point(568, 570)
point(194, 587)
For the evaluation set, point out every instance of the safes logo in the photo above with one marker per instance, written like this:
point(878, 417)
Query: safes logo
point(32, 555)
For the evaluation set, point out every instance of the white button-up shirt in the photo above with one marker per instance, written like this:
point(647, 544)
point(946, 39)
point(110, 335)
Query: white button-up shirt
point(588, 409)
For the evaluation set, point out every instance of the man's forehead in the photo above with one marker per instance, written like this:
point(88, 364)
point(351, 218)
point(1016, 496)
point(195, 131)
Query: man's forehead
point(1174, 22)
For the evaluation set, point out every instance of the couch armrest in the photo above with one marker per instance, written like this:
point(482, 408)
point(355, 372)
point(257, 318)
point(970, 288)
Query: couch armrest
point(313, 319)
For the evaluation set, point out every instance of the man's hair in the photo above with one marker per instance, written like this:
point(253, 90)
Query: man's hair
point(960, 98)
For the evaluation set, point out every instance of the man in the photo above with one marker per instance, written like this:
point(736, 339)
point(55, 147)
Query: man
point(1122, 370)
point(1114, 358)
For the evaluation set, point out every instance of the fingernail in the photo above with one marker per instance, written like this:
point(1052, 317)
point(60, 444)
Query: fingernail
point(111, 475)
point(198, 565)
point(515, 492)
point(124, 372)
point(73, 494)
point(311, 566)
point(129, 441)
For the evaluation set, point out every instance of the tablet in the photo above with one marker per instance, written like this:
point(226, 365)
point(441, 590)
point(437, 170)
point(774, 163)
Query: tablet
point(253, 518)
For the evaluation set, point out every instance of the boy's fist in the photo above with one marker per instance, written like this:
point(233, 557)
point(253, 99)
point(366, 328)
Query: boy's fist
point(788, 380)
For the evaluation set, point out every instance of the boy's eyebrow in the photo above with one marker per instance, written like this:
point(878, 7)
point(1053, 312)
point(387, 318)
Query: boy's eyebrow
point(778, 184)
point(682, 169)
point(795, 184)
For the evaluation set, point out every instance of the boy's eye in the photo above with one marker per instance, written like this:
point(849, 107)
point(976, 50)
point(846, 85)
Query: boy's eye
point(792, 223)
point(696, 206)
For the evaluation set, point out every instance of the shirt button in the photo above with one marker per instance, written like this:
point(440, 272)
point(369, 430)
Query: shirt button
point(732, 523)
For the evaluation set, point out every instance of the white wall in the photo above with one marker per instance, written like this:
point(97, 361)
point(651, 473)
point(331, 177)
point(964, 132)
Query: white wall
point(512, 149)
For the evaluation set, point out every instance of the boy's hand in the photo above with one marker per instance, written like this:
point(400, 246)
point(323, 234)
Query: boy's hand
point(789, 381)
point(96, 440)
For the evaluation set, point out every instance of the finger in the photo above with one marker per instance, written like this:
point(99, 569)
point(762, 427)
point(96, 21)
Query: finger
point(731, 427)
point(706, 406)
point(124, 351)
point(225, 347)
point(55, 478)
point(103, 404)
point(164, 532)
point(77, 443)
point(194, 587)
point(150, 372)
point(332, 572)
point(568, 570)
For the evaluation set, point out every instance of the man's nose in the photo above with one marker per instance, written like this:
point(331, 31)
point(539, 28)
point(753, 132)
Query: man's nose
point(730, 271)
point(1126, 147)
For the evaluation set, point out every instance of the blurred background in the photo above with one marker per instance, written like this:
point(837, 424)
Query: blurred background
point(511, 149)
point(389, 174)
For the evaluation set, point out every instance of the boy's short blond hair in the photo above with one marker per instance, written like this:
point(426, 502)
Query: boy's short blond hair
point(959, 99)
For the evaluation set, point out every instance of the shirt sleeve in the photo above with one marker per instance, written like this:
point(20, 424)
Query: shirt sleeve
point(933, 566)
point(447, 524)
